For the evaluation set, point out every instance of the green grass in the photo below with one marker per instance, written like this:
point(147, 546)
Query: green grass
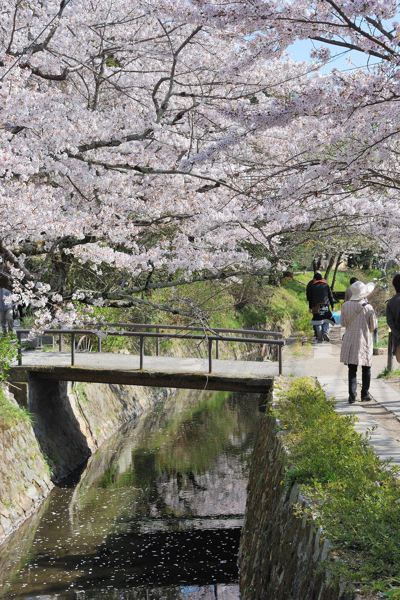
point(387, 373)
point(284, 308)
point(393, 593)
point(357, 495)
point(383, 333)
point(10, 414)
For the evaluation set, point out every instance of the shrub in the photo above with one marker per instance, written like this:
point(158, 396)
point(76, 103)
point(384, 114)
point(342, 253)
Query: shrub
point(357, 495)
point(8, 351)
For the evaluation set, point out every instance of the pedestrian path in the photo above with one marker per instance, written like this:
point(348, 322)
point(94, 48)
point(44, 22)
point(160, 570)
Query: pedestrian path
point(384, 444)
point(332, 374)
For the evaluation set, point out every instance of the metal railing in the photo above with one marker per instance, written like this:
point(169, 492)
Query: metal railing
point(275, 339)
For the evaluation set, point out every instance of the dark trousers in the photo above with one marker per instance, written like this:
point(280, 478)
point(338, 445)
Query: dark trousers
point(366, 380)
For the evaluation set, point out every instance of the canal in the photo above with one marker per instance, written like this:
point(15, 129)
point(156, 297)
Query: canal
point(155, 514)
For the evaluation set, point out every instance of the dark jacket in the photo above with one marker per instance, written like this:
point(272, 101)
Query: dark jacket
point(319, 292)
point(308, 291)
point(393, 319)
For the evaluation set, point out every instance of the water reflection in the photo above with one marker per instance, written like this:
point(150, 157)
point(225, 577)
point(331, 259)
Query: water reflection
point(156, 513)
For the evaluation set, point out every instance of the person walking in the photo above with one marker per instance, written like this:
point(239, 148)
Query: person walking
point(359, 318)
point(308, 296)
point(320, 302)
point(348, 294)
point(6, 311)
point(393, 317)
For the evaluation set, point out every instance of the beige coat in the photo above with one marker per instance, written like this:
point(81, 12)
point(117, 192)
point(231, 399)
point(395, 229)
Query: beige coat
point(357, 346)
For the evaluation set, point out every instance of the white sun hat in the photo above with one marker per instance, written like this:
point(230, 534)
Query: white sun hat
point(361, 290)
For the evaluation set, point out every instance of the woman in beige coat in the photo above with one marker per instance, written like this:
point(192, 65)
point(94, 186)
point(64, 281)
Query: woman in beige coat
point(359, 318)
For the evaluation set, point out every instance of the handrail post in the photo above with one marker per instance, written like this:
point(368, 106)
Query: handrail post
point(210, 355)
point(141, 351)
point(19, 338)
point(280, 358)
point(98, 343)
point(390, 353)
point(72, 349)
point(217, 349)
point(157, 342)
point(60, 341)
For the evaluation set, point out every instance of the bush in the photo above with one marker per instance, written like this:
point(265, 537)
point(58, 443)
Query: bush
point(357, 495)
point(8, 351)
point(378, 299)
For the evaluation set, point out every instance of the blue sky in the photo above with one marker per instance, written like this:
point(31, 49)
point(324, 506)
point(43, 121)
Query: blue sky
point(300, 50)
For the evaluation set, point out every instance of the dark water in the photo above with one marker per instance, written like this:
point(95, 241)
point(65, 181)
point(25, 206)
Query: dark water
point(156, 514)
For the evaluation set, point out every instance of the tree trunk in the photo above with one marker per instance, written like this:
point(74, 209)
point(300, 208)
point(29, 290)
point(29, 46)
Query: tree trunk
point(60, 267)
point(330, 265)
point(339, 258)
point(274, 277)
point(316, 263)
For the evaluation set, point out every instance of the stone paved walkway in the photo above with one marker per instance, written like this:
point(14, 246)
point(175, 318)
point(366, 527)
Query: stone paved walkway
point(332, 375)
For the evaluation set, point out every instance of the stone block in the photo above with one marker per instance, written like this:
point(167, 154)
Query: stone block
point(16, 512)
point(294, 494)
point(380, 351)
point(4, 511)
point(26, 504)
point(6, 524)
point(325, 549)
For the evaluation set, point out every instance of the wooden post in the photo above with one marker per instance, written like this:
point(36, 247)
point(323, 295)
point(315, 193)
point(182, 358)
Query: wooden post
point(141, 351)
point(217, 349)
point(98, 343)
point(210, 356)
point(280, 359)
point(157, 342)
point(60, 341)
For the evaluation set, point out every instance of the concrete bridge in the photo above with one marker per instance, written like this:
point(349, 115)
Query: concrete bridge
point(158, 371)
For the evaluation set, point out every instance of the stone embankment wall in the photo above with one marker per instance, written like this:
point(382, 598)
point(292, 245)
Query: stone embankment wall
point(70, 422)
point(283, 556)
point(24, 474)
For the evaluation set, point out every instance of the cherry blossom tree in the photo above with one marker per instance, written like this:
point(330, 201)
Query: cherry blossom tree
point(98, 113)
point(175, 142)
point(327, 146)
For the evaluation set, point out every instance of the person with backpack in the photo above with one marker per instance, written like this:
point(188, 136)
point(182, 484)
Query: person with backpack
point(393, 317)
point(320, 302)
point(359, 319)
point(308, 296)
